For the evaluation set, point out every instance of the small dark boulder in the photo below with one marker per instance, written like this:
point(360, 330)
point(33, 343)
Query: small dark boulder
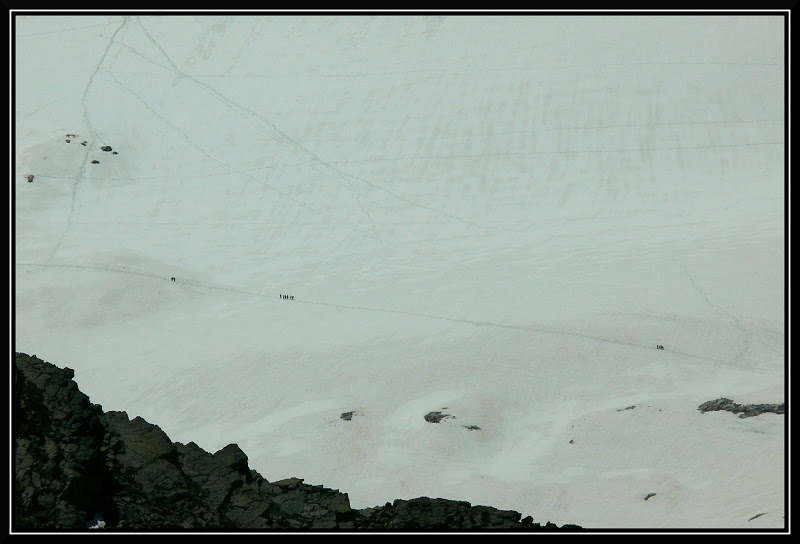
point(95, 162)
point(29, 177)
point(106, 148)
point(347, 416)
point(436, 417)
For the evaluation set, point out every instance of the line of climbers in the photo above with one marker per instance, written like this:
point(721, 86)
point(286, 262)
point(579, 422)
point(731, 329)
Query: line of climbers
point(291, 297)
point(287, 297)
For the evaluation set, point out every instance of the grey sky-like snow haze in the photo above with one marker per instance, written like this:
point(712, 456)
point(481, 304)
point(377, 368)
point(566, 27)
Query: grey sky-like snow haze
point(495, 217)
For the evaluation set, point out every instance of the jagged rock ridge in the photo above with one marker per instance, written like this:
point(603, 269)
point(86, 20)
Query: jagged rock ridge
point(76, 464)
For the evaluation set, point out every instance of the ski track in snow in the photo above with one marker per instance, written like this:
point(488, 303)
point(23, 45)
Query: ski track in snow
point(280, 136)
point(478, 323)
point(724, 313)
point(328, 166)
point(90, 144)
point(274, 132)
point(230, 168)
point(234, 106)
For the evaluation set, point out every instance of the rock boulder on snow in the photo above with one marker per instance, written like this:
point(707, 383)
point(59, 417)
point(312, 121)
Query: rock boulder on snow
point(436, 417)
point(744, 410)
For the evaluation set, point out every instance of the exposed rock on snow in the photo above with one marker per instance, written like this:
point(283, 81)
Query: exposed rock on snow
point(436, 417)
point(744, 410)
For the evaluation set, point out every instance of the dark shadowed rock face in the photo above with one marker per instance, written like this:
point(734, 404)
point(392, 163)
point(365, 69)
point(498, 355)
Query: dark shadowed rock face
point(76, 464)
point(60, 469)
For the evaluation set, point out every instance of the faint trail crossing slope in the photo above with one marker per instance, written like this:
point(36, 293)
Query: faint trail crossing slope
point(474, 322)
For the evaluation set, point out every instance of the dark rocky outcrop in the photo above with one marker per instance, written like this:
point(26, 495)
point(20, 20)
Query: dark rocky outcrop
point(59, 448)
point(75, 464)
point(744, 410)
point(443, 514)
point(436, 417)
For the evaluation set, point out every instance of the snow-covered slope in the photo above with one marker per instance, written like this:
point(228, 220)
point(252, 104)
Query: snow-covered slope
point(497, 218)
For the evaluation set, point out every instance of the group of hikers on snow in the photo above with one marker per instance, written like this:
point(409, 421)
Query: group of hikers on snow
point(287, 297)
